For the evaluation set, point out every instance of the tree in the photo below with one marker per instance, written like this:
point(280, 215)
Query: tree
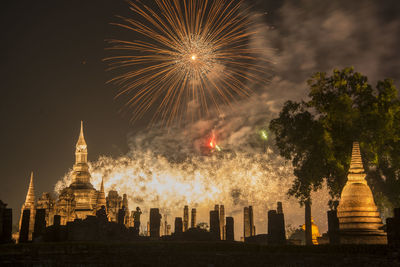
point(317, 135)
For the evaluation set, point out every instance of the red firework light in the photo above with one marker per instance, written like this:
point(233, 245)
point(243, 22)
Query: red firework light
point(212, 141)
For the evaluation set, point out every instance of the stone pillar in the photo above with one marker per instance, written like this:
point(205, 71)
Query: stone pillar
point(168, 229)
point(333, 227)
point(307, 218)
point(57, 220)
point(40, 223)
point(222, 221)
point(32, 211)
point(155, 221)
point(396, 212)
point(270, 227)
point(246, 223)
point(165, 225)
point(279, 208)
point(24, 230)
point(276, 228)
point(121, 216)
point(178, 225)
point(396, 221)
point(393, 228)
point(391, 231)
point(251, 220)
point(216, 208)
point(2, 208)
point(230, 236)
point(57, 228)
point(214, 224)
point(280, 231)
point(185, 218)
point(193, 221)
point(6, 231)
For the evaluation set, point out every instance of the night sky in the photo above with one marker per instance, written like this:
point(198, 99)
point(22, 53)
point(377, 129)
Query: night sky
point(52, 74)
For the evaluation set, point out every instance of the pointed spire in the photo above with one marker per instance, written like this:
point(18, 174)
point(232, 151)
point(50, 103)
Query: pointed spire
point(81, 133)
point(101, 196)
point(102, 186)
point(356, 171)
point(81, 173)
point(81, 144)
point(356, 165)
point(30, 196)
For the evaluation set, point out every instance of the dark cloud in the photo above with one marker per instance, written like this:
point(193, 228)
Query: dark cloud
point(320, 35)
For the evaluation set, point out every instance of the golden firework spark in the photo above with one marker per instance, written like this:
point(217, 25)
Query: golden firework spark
point(192, 56)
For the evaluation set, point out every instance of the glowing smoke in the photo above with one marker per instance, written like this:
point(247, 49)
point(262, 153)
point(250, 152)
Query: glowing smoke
point(233, 179)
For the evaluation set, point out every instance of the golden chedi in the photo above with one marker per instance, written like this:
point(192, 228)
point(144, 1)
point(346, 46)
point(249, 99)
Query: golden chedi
point(84, 193)
point(359, 220)
point(77, 201)
point(314, 231)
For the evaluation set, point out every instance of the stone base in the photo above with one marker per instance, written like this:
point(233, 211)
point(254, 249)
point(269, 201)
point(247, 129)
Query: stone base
point(363, 237)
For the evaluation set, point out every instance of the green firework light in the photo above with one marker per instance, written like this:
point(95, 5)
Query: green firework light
point(264, 134)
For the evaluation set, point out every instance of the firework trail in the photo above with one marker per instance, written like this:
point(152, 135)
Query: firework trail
point(192, 57)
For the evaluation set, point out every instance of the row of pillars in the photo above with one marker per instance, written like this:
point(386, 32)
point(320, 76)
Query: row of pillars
point(276, 225)
point(39, 225)
point(223, 228)
point(186, 218)
point(220, 229)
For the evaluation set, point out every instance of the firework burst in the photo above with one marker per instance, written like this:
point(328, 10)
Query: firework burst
point(192, 57)
point(152, 180)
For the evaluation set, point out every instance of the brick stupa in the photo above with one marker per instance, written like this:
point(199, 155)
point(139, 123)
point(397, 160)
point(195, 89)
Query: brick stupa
point(359, 220)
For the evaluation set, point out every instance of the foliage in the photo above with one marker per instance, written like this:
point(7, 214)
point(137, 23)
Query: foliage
point(317, 135)
point(203, 225)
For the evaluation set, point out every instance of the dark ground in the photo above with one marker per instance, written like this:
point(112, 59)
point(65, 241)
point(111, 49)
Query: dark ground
point(194, 254)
